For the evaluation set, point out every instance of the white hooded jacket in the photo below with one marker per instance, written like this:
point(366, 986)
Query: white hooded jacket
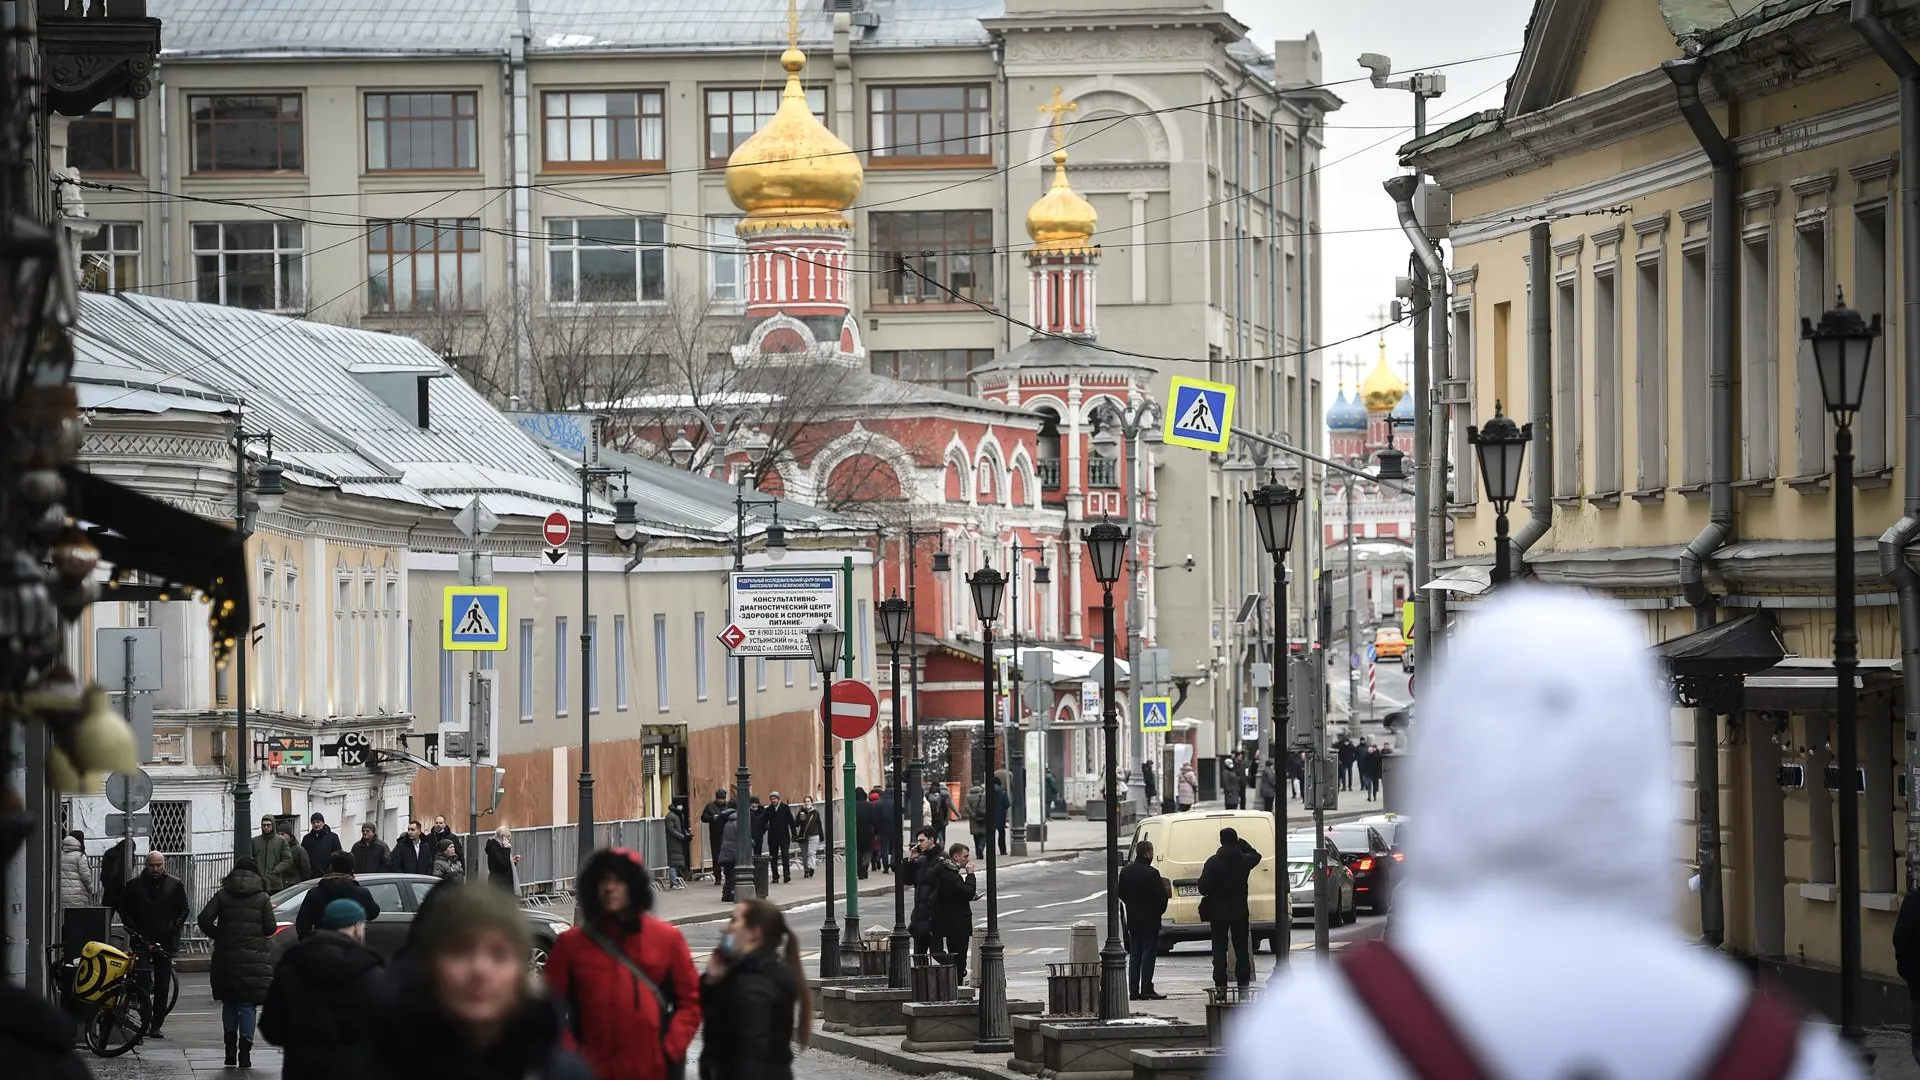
point(1537, 903)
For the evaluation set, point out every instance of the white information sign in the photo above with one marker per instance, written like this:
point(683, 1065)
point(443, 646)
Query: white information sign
point(774, 609)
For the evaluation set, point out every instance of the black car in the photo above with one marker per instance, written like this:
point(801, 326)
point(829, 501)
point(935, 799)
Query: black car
point(399, 897)
point(1372, 861)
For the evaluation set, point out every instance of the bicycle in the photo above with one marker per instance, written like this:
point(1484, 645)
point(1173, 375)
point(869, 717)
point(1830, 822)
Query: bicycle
point(114, 982)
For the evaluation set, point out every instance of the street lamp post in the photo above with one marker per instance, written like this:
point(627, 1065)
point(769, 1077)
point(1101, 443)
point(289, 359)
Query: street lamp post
point(993, 1036)
point(1016, 735)
point(626, 527)
point(1274, 507)
point(1842, 358)
point(752, 871)
point(1501, 445)
point(824, 640)
point(262, 496)
point(917, 766)
point(1134, 425)
point(1107, 549)
point(893, 613)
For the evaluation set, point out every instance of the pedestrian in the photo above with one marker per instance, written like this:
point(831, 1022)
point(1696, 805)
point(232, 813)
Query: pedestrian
point(1343, 746)
point(879, 829)
point(625, 977)
point(678, 843)
point(939, 809)
point(866, 830)
point(76, 878)
point(459, 1005)
point(889, 836)
point(325, 995)
point(370, 854)
point(1143, 895)
point(1266, 788)
point(812, 831)
point(1297, 773)
point(440, 832)
point(273, 853)
point(502, 863)
point(320, 842)
point(780, 837)
point(1188, 791)
point(1230, 788)
point(1002, 808)
point(37, 1040)
point(952, 922)
point(923, 861)
point(1054, 802)
point(977, 822)
point(757, 814)
point(726, 857)
point(1370, 771)
point(714, 818)
point(1149, 783)
point(337, 883)
point(412, 855)
point(154, 907)
point(754, 997)
point(302, 866)
point(1223, 905)
point(1536, 965)
point(115, 868)
point(1906, 959)
point(238, 919)
point(446, 861)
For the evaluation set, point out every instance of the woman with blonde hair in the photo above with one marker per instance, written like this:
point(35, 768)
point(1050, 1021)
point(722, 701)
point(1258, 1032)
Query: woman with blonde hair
point(754, 998)
point(501, 860)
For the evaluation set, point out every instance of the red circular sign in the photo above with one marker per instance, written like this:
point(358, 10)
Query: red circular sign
point(556, 528)
point(856, 708)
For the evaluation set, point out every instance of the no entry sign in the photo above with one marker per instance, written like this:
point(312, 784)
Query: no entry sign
point(556, 529)
point(856, 708)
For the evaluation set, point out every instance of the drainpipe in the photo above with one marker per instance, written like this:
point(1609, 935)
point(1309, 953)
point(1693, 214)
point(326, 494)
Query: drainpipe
point(1539, 390)
point(1005, 256)
point(165, 160)
point(1693, 584)
point(1427, 497)
point(520, 265)
point(1893, 543)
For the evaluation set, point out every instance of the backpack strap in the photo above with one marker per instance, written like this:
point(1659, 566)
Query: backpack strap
point(1427, 1042)
point(1761, 1045)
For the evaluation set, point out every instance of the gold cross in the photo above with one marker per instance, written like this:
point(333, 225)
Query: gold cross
point(1059, 109)
point(793, 24)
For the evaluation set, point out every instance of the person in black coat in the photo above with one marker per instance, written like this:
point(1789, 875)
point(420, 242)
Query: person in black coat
point(1223, 903)
point(1906, 959)
point(338, 883)
point(757, 814)
point(1230, 786)
point(320, 843)
point(36, 1038)
point(953, 896)
point(1143, 894)
point(326, 991)
point(678, 843)
point(866, 828)
point(889, 840)
point(501, 859)
point(412, 855)
point(370, 855)
point(729, 851)
point(779, 819)
point(712, 817)
point(754, 999)
point(154, 906)
point(923, 859)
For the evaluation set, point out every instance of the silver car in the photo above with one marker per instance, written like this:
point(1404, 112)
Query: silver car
point(1300, 876)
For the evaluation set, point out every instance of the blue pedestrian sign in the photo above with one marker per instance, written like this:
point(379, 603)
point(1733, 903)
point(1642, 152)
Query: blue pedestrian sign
point(1156, 714)
point(1202, 414)
point(473, 618)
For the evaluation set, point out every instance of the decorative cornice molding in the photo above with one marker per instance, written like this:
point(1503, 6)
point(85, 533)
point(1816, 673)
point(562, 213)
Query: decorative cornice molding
point(1760, 198)
point(1607, 237)
point(1695, 212)
point(1866, 172)
point(1569, 247)
point(1814, 185)
point(1118, 176)
point(1654, 224)
point(1466, 275)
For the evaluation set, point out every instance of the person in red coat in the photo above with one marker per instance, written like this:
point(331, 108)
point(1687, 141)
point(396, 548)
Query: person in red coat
point(625, 978)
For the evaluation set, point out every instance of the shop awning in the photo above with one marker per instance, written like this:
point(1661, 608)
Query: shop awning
point(1708, 668)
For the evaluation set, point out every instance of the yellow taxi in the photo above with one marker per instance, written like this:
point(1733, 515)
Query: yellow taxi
point(1182, 844)
point(1389, 643)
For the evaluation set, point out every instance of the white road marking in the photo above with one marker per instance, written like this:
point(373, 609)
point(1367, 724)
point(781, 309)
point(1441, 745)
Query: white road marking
point(1089, 898)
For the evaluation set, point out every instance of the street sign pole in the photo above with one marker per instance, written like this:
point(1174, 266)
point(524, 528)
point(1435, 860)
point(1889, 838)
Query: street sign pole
point(476, 521)
point(850, 933)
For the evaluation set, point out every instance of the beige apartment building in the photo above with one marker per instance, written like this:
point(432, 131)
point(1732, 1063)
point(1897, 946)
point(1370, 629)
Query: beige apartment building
point(452, 169)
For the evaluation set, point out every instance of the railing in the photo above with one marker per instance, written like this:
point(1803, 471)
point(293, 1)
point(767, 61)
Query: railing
point(1049, 472)
point(1103, 472)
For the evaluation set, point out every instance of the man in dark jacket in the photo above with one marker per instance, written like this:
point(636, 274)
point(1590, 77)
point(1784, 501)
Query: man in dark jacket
point(1906, 958)
point(810, 830)
point(1143, 894)
point(326, 992)
point(1230, 787)
point(412, 855)
point(714, 818)
point(274, 853)
point(303, 868)
point(953, 897)
point(923, 860)
point(154, 906)
point(866, 828)
point(889, 839)
point(1343, 747)
point(939, 809)
point(779, 818)
point(1223, 892)
point(1001, 805)
point(370, 855)
point(320, 842)
point(731, 849)
point(757, 816)
point(337, 884)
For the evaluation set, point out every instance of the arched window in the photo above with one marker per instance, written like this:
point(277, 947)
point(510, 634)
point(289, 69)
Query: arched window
point(1049, 449)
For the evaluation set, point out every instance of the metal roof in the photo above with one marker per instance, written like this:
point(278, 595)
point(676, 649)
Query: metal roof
point(664, 492)
point(1687, 18)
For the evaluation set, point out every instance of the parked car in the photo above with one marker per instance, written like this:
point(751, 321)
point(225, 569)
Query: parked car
point(1406, 658)
point(1181, 845)
point(399, 897)
point(1389, 643)
point(1392, 828)
point(1300, 874)
point(1371, 859)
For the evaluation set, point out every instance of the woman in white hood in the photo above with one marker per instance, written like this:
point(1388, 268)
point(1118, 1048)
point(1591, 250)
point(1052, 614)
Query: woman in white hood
point(1536, 911)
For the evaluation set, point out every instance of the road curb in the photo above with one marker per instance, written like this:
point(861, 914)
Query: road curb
point(912, 1064)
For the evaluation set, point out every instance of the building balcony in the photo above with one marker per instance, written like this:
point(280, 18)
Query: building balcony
point(93, 50)
point(1048, 470)
point(1103, 472)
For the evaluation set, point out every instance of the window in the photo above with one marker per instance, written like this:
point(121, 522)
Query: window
point(929, 122)
point(421, 132)
point(110, 258)
point(168, 830)
point(948, 369)
point(661, 698)
point(787, 673)
point(1758, 367)
point(290, 667)
point(1650, 371)
point(294, 707)
point(560, 666)
point(620, 662)
point(619, 127)
point(760, 674)
point(250, 264)
point(424, 265)
point(1869, 292)
point(700, 655)
point(246, 133)
point(446, 679)
point(1606, 380)
point(934, 257)
point(107, 139)
point(1810, 409)
point(526, 671)
point(736, 670)
point(606, 260)
point(1693, 357)
point(725, 259)
point(813, 676)
point(732, 115)
point(1466, 480)
point(865, 624)
point(1566, 389)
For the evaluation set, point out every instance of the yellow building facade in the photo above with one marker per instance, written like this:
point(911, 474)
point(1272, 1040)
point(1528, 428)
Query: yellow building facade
point(1592, 146)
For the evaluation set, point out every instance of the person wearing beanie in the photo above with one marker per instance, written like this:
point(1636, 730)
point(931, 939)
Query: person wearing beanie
point(320, 843)
point(337, 883)
point(239, 920)
point(625, 978)
point(326, 990)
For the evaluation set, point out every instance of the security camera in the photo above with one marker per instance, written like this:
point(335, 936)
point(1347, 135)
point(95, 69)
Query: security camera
point(1379, 66)
point(1188, 563)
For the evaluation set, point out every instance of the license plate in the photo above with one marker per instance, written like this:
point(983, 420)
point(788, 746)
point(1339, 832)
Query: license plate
point(1186, 890)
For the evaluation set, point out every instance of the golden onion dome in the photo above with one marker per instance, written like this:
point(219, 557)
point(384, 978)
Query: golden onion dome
point(794, 172)
point(1062, 220)
point(1384, 388)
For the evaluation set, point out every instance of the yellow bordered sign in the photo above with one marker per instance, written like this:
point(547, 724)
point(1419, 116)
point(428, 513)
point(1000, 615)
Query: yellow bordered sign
point(473, 618)
point(1200, 415)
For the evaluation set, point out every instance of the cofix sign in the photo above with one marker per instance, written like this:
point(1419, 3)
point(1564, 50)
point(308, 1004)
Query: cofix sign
point(774, 609)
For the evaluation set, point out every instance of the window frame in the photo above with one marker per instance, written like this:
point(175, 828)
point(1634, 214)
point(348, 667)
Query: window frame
point(724, 243)
point(118, 126)
point(281, 255)
point(388, 122)
point(639, 164)
point(700, 656)
point(560, 702)
point(1650, 302)
point(620, 663)
point(734, 135)
point(1608, 393)
point(943, 359)
point(413, 257)
point(662, 664)
point(887, 232)
point(639, 248)
point(884, 150)
point(196, 127)
point(111, 255)
point(526, 671)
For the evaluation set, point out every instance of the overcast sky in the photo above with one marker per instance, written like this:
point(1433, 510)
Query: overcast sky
point(1364, 248)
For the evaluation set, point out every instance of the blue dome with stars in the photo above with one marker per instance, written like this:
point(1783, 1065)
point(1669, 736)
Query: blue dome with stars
point(1403, 410)
point(1346, 414)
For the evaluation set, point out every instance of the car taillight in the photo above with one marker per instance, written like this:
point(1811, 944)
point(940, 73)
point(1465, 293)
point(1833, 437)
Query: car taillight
point(1365, 864)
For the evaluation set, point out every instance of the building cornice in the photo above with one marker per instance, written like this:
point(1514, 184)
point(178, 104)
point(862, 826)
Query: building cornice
point(1224, 27)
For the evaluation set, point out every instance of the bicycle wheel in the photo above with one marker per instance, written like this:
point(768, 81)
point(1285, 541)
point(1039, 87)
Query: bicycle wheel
point(173, 994)
point(114, 1030)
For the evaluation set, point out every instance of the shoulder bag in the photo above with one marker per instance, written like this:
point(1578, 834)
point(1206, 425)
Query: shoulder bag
point(676, 1070)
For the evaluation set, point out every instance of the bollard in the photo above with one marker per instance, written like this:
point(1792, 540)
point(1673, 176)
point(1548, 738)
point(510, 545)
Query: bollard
point(1084, 946)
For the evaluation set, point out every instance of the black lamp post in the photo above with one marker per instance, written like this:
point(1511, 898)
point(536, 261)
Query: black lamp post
point(917, 765)
point(1843, 357)
point(263, 495)
point(1273, 507)
point(994, 1037)
point(824, 640)
point(626, 529)
point(893, 613)
point(748, 872)
point(1501, 446)
point(1107, 549)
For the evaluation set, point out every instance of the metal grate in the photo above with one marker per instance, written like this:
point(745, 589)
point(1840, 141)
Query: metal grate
point(169, 830)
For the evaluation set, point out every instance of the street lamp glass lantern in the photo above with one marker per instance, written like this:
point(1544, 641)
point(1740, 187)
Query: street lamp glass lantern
point(1105, 442)
point(1107, 548)
point(1042, 575)
point(942, 563)
point(893, 613)
point(1393, 464)
point(269, 487)
point(825, 640)
point(776, 541)
point(626, 519)
point(756, 446)
point(1501, 446)
point(987, 584)
point(1842, 357)
point(1273, 514)
point(680, 450)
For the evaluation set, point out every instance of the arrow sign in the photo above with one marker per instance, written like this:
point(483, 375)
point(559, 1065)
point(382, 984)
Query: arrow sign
point(856, 708)
point(732, 637)
point(556, 529)
point(556, 556)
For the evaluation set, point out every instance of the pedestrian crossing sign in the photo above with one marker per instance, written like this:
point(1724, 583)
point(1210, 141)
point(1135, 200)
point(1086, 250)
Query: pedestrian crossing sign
point(1156, 714)
point(1202, 414)
point(473, 618)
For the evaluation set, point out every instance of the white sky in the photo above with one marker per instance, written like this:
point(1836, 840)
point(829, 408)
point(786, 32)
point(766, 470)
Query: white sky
point(1360, 265)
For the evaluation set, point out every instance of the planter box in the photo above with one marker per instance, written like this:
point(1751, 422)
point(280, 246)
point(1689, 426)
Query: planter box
point(947, 1027)
point(834, 1006)
point(1175, 1064)
point(1102, 1050)
point(1025, 1029)
point(875, 1010)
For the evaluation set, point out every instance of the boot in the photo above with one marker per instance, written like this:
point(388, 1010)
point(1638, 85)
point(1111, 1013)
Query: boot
point(246, 1053)
point(232, 1039)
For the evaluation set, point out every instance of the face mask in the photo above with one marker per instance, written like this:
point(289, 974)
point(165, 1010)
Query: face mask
point(726, 945)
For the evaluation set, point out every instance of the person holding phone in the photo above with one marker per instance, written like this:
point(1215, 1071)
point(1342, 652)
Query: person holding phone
point(954, 893)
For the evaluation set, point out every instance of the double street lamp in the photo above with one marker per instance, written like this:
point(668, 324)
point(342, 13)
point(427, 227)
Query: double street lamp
point(1501, 446)
point(825, 641)
point(988, 588)
point(1843, 359)
point(262, 492)
point(626, 529)
point(893, 614)
point(1274, 508)
point(1107, 549)
point(1140, 423)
